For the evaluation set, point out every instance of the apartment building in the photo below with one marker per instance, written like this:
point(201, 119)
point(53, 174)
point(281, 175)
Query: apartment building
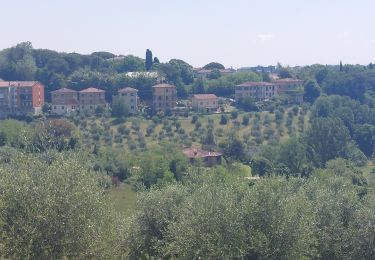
point(64, 101)
point(20, 98)
point(205, 103)
point(90, 98)
point(256, 90)
point(164, 97)
point(288, 84)
point(130, 96)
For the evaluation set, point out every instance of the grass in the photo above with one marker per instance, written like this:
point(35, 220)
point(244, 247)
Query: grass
point(123, 198)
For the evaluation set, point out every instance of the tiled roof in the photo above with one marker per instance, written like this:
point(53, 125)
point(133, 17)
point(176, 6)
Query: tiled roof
point(164, 85)
point(18, 83)
point(198, 153)
point(92, 90)
point(128, 89)
point(255, 84)
point(64, 90)
point(205, 96)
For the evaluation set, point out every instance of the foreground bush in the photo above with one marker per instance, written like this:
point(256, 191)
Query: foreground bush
point(52, 207)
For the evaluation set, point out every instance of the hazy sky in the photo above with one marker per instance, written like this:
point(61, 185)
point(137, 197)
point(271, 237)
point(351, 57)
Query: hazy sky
point(234, 32)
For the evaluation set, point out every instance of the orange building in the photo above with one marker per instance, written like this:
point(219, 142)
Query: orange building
point(21, 97)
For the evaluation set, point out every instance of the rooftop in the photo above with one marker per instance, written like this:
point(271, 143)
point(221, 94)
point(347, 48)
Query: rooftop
point(198, 153)
point(205, 96)
point(18, 83)
point(92, 90)
point(255, 84)
point(64, 90)
point(164, 85)
point(128, 89)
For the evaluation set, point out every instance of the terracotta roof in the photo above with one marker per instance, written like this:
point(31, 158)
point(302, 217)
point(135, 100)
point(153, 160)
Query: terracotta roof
point(164, 85)
point(18, 83)
point(198, 153)
point(255, 84)
point(288, 80)
point(64, 90)
point(128, 89)
point(205, 96)
point(92, 90)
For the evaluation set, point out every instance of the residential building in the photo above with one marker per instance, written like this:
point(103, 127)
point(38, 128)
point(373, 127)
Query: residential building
point(205, 103)
point(21, 97)
point(288, 84)
point(164, 97)
point(130, 96)
point(207, 158)
point(90, 98)
point(257, 90)
point(64, 101)
point(204, 73)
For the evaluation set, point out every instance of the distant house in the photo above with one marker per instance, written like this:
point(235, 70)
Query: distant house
point(208, 158)
point(291, 88)
point(90, 98)
point(205, 102)
point(257, 90)
point(130, 96)
point(21, 97)
point(64, 101)
point(288, 84)
point(259, 69)
point(164, 97)
point(203, 73)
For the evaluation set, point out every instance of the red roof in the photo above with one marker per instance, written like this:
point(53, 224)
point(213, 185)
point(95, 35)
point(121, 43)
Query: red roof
point(128, 89)
point(164, 85)
point(198, 153)
point(18, 83)
point(205, 96)
point(255, 84)
point(92, 90)
point(64, 90)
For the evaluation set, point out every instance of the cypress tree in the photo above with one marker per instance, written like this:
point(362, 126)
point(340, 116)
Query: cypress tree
point(148, 59)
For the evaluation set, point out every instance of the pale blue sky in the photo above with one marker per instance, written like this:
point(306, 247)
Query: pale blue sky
point(236, 33)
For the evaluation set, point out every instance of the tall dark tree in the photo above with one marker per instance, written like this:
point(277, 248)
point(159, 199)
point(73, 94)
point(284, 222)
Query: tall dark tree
point(340, 65)
point(312, 91)
point(156, 60)
point(148, 59)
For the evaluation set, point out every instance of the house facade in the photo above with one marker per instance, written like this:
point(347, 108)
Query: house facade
point(257, 90)
point(64, 101)
point(90, 98)
point(205, 103)
point(164, 97)
point(288, 84)
point(207, 158)
point(130, 96)
point(21, 97)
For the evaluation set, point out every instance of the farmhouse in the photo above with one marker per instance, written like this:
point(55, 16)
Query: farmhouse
point(164, 97)
point(208, 158)
point(204, 103)
point(130, 96)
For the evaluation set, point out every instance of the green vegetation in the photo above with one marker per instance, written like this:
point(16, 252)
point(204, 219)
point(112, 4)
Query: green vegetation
point(295, 182)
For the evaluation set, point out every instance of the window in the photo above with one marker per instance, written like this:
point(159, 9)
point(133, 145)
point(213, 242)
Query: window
point(166, 98)
point(166, 90)
point(132, 107)
point(62, 107)
point(54, 107)
point(159, 97)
